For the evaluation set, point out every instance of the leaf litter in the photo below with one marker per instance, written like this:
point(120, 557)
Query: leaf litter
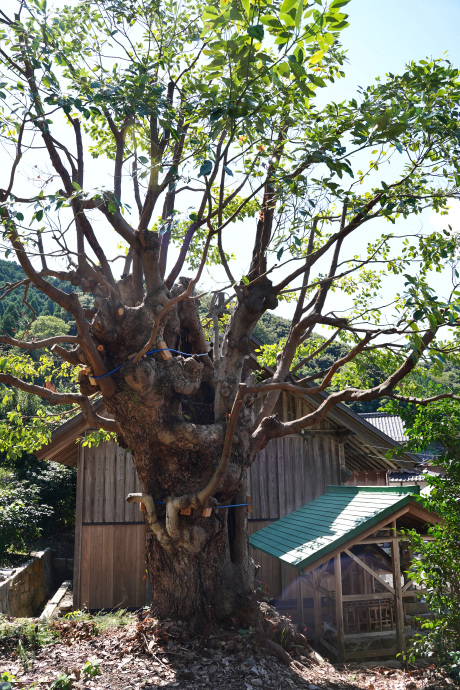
point(149, 654)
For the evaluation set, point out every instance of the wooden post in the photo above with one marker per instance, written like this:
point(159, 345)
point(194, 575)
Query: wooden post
point(317, 605)
point(399, 610)
point(339, 609)
point(300, 598)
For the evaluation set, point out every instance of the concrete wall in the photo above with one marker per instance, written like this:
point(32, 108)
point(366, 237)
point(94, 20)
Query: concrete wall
point(24, 593)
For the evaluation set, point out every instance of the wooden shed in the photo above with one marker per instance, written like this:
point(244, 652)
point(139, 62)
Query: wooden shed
point(343, 551)
point(290, 472)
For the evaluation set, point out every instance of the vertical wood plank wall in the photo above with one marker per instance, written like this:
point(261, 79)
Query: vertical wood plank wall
point(287, 474)
point(109, 533)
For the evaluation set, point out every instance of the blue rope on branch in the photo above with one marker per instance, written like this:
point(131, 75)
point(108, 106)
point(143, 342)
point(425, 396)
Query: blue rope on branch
point(151, 352)
point(233, 505)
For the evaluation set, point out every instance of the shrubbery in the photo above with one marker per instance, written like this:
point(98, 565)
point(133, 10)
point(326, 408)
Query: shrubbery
point(437, 565)
point(21, 515)
point(35, 498)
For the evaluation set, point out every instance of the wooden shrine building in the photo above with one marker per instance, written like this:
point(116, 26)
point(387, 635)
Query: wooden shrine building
point(347, 561)
point(109, 561)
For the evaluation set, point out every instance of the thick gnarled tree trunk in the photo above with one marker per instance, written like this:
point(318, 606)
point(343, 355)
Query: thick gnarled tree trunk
point(173, 413)
point(210, 576)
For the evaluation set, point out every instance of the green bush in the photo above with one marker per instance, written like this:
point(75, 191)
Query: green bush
point(36, 497)
point(21, 514)
point(437, 565)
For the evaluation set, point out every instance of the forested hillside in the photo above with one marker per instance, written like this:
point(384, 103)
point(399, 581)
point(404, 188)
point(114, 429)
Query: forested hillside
point(17, 307)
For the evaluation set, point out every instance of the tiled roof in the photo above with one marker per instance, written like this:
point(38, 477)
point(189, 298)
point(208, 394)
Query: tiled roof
point(390, 424)
point(319, 527)
point(408, 476)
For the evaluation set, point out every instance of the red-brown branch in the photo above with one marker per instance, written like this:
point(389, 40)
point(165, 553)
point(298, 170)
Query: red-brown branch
point(62, 399)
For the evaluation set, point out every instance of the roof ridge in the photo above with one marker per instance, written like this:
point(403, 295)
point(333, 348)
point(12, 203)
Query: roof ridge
point(379, 414)
point(336, 488)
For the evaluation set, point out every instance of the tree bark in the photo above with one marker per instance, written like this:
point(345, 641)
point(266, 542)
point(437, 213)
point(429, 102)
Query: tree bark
point(198, 558)
point(206, 581)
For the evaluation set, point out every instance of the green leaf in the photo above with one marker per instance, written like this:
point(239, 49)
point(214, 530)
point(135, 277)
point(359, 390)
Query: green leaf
point(317, 81)
point(228, 171)
point(247, 6)
point(298, 15)
point(206, 168)
point(317, 57)
point(432, 321)
point(39, 215)
point(256, 31)
point(245, 280)
point(287, 5)
point(270, 20)
point(299, 75)
point(76, 186)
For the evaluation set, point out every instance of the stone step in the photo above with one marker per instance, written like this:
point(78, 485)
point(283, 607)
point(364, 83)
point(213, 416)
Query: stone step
point(52, 607)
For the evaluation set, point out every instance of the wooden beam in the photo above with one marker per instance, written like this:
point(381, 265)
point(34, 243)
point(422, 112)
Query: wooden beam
point(399, 610)
point(77, 602)
point(317, 605)
point(381, 540)
point(300, 599)
point(339, 609)
point(362, 654)
point(423, 514)
point(370, 571)
point(336, 433)
point(328, 646)
point(371, 596)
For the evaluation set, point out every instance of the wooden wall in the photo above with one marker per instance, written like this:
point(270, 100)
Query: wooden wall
point(287, 474)
point(291, 472)
point(109, 533)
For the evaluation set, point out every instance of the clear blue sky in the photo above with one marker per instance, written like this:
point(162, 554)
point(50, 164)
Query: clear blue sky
point(386, 34)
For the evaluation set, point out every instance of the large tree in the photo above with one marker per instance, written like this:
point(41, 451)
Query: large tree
point(205, 119)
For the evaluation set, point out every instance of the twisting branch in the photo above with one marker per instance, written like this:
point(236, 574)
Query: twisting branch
point(200, 499)
point(39, 344)
point(424, 401)
point(68, 301)
point(119, 149)
point(4, 195)
point(271, 427)
point(360, 218)
point(315, 353)
point(169, 305)
point(151, 516)
point(53, 398)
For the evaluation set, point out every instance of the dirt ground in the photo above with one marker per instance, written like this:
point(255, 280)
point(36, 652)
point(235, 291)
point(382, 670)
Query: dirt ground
point(145, 655)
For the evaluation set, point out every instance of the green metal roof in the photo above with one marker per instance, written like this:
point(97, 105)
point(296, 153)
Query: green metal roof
point(318, 528)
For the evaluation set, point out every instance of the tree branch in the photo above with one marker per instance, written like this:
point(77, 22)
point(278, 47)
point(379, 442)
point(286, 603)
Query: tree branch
point(62, 399)
point(39, 344)
point(270, 427)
